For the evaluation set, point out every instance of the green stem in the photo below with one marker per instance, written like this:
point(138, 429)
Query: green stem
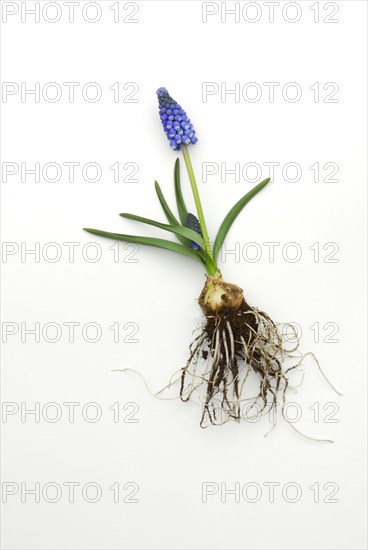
point(211, 267)
point(197, 200)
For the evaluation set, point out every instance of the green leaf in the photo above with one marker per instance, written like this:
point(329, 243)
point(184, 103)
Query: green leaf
point(232, 214)
point(150, 241)
point(182, 209)
point(177, 229)
point(211, 267)
point(169, 215)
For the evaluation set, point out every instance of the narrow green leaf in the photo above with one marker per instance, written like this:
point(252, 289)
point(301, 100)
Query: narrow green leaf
point(150, 241)
point(211, 267)
point(232, 214)
point(182, 209)
point(169, 215)
point(177, 229)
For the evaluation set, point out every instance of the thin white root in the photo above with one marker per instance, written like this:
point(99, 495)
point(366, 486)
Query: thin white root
point(321, 371)
point(154, 394)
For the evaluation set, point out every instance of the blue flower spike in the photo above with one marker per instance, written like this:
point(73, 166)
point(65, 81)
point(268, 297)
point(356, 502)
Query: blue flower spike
point(193, 223)
point(176, 124)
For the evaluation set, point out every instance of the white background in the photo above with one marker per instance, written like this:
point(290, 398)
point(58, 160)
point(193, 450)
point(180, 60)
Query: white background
point(166, 453)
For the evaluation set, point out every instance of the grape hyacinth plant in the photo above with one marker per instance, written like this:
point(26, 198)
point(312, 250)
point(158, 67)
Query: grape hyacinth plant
point(235, 339)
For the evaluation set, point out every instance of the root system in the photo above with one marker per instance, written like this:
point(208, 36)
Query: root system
point(235, 341)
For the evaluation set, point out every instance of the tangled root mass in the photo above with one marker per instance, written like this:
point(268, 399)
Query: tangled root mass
point(236, 339)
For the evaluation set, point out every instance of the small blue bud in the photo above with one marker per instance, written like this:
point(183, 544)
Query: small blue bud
point(193, 223)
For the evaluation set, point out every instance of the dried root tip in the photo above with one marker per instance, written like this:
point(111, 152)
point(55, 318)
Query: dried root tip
point(218, 295)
